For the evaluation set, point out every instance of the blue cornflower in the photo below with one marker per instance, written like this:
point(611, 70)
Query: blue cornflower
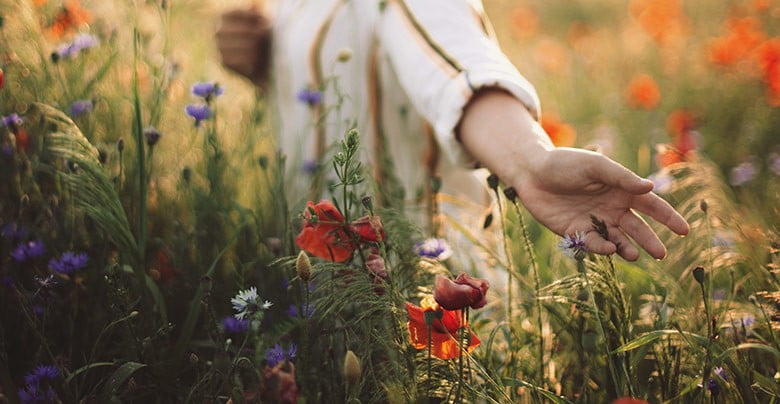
point(207, 90)
point(81, 107)
point(200, 112)
point(247, 302)
point(80, 43)
point(307, 310)
point(571, 245)
point(42, 373)
point(309, 97)
point(434, 248)
point(743, 173)
point(309, 166)
point(720, 372)
point(13, 232)
point(277, 354)
point(12, 122)
point(152, 136)
point(233, 325)
point(713, 386)
point(33, 394)
point(29, 250)
point(68, 262)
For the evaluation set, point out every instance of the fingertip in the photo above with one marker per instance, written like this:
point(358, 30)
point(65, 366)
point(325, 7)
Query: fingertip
point(595, 244)
point(641, 186)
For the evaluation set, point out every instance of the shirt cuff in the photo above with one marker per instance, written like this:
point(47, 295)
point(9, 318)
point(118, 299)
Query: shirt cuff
point(458, 94)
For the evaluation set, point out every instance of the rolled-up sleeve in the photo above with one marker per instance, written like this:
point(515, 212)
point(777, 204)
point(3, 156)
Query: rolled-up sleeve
point(441, 53)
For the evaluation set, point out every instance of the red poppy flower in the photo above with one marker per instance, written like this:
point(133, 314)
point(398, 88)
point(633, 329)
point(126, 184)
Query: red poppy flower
point(560, 133)
point(22, 140)
point(629, 400)
point(464, 291)
point(369, 228)
point(642, 92)
point(326, 236)
point(444, 341)
point(70, 17)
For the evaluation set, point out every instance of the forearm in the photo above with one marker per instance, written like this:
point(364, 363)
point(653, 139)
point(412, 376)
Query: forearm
point(500, 133)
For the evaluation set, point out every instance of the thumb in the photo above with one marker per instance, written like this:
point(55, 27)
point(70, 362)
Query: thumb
point(607, 171)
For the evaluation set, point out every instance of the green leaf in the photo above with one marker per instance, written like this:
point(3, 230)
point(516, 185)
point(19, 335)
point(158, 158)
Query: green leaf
point(86, 368)
point(654, 335)
point(118, 379)
point(549, 395)
point(741, 347)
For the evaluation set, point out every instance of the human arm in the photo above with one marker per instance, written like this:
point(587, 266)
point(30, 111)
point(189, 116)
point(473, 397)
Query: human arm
point(562, 187)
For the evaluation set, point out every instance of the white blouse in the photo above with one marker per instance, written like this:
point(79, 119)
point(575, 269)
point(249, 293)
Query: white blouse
point(414, 66)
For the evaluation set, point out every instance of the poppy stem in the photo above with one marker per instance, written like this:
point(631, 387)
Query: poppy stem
point(461, 340)
point(428, 326)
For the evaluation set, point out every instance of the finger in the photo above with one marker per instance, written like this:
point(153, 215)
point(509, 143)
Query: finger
point(607, 171)
point(625, 248)
point(636, 228)
point(595, 243)
point(660, 210)
point(242, 15)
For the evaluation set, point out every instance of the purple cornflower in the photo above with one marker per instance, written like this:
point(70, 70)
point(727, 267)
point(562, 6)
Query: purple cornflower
point(12, 122)
point(152, 136)
point(29, 250)
point(434, 248)
point(81, 107)
point(42, 373)
point(277, 354)
point(662, 182)
point(307, 310)
point(233, 325)
point(713, 386)
point(309, 167)
point(720, 372)
point(743, 173)
point(573, 244)
point(38, 310)
point(774, 163)
point(207, 90)
point(13, 232)
point(80, 43)
point(85, 41)
point(68, 262)
point(198, 111)
point(33, 394)
point(309, 97)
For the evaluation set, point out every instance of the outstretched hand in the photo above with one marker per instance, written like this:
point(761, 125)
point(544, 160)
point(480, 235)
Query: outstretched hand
point(564, 187)
point(567, 186)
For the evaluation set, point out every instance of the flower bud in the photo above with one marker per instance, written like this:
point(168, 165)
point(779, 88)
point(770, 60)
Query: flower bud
point(510, 194)
point(194, 358)
point(351, 368)
point(344, 55)
point(488, 221)
point(303, 266)
point(703, 206)
point(120, 145)
point(152, 136)
point(699, 275)
point(368, 203)
point(492, 181)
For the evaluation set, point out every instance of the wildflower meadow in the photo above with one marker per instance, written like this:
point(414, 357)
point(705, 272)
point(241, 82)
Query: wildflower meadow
point(149, 251)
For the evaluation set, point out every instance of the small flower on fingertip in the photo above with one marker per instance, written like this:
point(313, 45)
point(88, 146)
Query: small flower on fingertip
point(573, 244)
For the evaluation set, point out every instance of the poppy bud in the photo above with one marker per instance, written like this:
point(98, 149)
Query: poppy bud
point(303, 266)
point(699, 275)
point(488, 221)
point(464, 291)
point(492, 181)
point(120, 145)
point(351, 368)
point(703, 206)
point(510, 194)
point(369, 228)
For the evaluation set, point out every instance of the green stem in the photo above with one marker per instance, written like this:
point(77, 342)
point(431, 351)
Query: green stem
point(602, 334)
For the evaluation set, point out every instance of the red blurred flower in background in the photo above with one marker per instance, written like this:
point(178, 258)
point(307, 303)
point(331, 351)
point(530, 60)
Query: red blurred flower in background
point(768, 55)
point(561, 134)
point(69, 19)
point(642, 92)
point(663, 20)
point(464, 292)
point(741, 38)
point(444, 328)
point(680, 125)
